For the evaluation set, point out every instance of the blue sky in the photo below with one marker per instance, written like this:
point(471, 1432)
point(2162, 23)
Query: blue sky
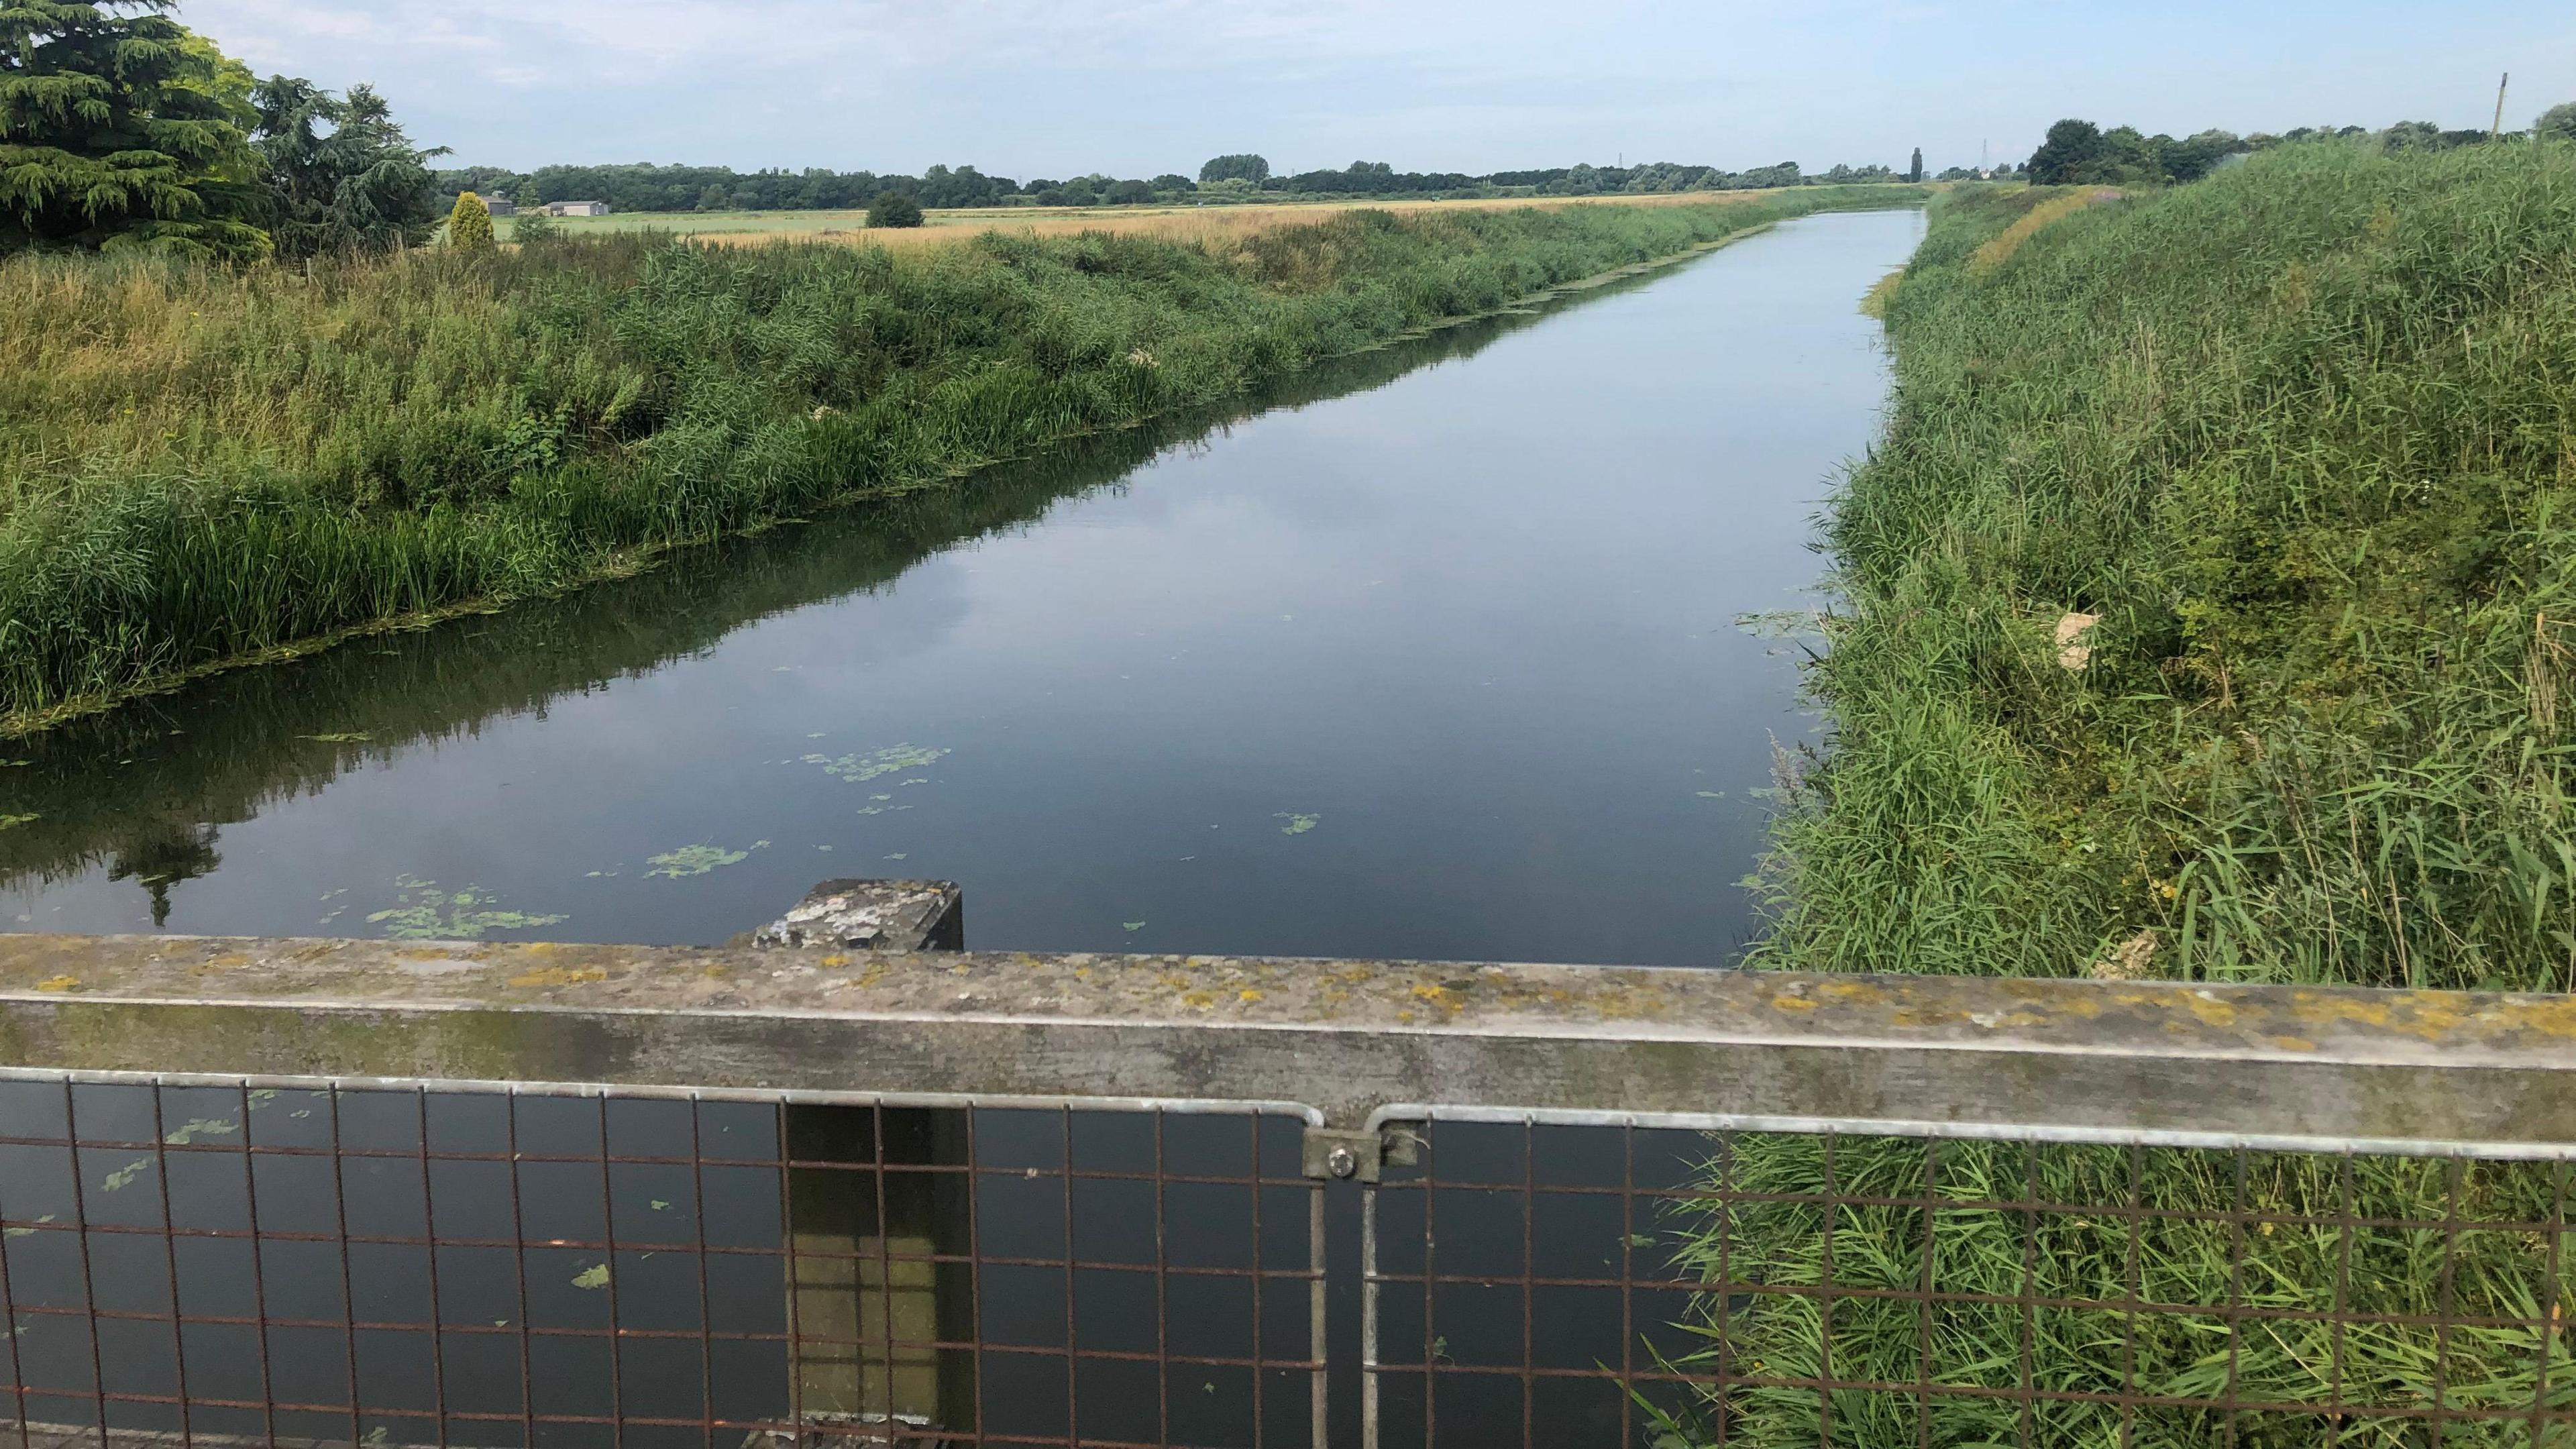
point(1136, 87)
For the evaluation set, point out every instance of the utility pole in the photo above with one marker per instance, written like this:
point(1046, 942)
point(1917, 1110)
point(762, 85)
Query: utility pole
point(2497, 130)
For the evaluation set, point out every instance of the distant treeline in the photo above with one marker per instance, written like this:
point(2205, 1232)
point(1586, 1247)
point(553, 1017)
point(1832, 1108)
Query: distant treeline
point(650, 188)
point(2080, 153)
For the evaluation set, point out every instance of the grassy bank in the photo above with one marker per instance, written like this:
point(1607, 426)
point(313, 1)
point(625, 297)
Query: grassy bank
point(2300, 440)
point(2303, 437)
point(198, 466)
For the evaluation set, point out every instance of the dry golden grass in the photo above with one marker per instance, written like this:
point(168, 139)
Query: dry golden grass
point(2038, 219)
point(1221, 226)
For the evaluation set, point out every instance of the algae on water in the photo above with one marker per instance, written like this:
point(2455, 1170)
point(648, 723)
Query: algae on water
point(1298, 824)
point(691, 860)
point(859, 769)
point(424, 912)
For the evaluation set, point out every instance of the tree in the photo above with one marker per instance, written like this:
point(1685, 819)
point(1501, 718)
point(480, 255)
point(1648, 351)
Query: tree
point(341, 174)
point(469, 226)
point(1174, 181)
point(1127, 193)
point(894, 208)
point(120, 128)
point(2558, 123)
point(1916, 174)
point(1245, 167)
point(2069, 156)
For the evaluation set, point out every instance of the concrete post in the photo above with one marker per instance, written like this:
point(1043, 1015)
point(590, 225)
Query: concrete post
point(866, 1303)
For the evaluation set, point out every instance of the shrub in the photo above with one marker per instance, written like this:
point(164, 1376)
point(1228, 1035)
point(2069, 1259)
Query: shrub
point(469, 226)
point(894, 208)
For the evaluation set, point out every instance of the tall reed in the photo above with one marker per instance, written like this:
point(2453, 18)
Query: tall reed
point(2302, 437)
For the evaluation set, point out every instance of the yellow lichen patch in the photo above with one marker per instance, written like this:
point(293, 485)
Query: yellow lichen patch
point(835, 961)
point(1198, 1000)
point(1792, 1003)
point(1248, 996)
point(2292, 1043)
point(59, 983)
point(559, 976)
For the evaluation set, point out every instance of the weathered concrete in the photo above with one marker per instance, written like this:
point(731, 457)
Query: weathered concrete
point(2290, 1067)
point(873, 915)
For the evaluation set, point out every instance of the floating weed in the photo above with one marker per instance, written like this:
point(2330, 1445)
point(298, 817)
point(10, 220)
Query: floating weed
point(1134, 926)
point(1297, 824)
point(26, 1232)
point(691, 860)
point(900, 855)
point(11, 822)
point(124, 1177)
point(1712, 794)
point(355, 737)
point(859, 769)
point(424, 912)
point(592, 1277)
point(202, 1127)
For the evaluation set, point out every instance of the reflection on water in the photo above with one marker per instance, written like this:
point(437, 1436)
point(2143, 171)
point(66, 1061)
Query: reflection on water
point(1435, 655)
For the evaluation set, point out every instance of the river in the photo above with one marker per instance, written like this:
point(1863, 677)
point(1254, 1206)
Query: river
point(1437, 654)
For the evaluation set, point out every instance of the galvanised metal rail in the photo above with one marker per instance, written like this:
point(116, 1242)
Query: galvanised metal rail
point(284, 1191)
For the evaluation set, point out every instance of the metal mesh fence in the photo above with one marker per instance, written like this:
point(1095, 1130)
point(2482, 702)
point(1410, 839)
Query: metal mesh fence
point(189, 1264)
point(1553, 1285)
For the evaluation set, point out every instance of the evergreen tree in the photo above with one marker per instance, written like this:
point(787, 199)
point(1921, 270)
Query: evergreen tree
point(342, 174)
point(1917, 173)
point(119, 128)
point(469, 226)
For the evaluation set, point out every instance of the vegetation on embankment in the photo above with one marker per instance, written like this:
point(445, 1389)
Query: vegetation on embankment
point(2303, 436)
point(198, 465)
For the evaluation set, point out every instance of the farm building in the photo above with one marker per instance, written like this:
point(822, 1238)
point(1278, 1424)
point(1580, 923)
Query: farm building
point(575, 208)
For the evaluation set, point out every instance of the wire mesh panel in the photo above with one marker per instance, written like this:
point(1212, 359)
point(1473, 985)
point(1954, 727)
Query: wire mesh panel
point(194, 1264)
point(1553, 1285)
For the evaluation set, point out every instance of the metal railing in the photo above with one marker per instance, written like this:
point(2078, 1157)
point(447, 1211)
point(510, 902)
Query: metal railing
point(525, 1194)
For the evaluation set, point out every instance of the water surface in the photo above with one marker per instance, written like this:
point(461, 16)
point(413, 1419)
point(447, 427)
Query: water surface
point(1437, 656)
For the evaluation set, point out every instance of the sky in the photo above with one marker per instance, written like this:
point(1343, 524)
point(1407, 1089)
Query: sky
point(1027, 88)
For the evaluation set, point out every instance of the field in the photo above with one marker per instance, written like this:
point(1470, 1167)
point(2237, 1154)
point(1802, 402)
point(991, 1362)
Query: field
point(200, 468)
point(1225, 222)
point(2205, 615)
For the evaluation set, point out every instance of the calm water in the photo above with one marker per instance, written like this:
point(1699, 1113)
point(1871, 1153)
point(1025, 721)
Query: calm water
point(1439, 657)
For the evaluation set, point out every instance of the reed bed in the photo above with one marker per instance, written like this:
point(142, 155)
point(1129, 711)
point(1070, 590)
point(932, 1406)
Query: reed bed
point(2302, 439)
point(203, 467)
